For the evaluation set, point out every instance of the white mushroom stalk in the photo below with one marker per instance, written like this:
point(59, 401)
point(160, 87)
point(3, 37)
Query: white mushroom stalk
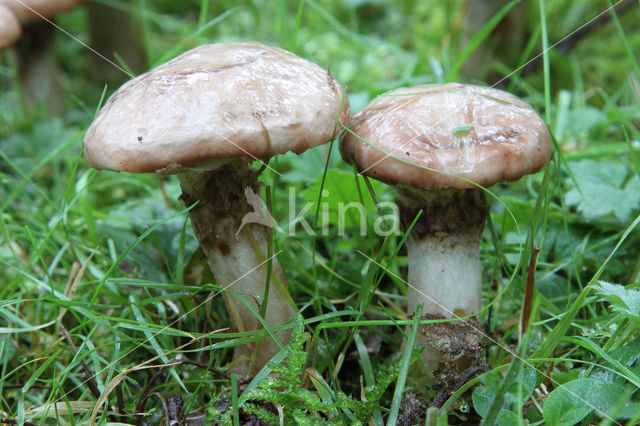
point(443, 250)
point(204, 116)
point(237, 254)
point(437, 144)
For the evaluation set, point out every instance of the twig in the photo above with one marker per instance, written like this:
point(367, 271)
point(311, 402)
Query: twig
point(167, 420)
point(72, 277)
point(204, 366)
point(548, 382)
point(163, 191)
point(487, 332)
point(145, 391)
point(154, 378)
point(176, 414)
point(203, 343)
point(91, 383)
point(528, 292)
point(264, 165)
point(120, 399)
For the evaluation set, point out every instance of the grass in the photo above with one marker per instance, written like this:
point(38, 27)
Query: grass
point(103, 302)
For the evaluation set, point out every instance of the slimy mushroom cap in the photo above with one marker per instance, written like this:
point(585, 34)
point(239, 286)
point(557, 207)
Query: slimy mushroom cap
point(447, 137)
point(215, 102)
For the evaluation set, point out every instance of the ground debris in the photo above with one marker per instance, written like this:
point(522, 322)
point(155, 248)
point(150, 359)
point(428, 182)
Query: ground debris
point(175, 410)
point(461, 347)
point(412, 410)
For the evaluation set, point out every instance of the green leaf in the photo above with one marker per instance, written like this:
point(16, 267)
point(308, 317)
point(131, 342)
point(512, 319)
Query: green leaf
point(482, 398)
point(593, 347)
point(483, 395)
point(508, 418)
point(622, 299)
point(563, 408)
point(339, 205)
point(571, 402)
point(604, 190)
point(263, 414)
point(628, 354)
point(305, 168)
point(583, 120)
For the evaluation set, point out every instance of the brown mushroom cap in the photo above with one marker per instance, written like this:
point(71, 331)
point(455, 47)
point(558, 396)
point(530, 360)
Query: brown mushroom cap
point(480, 134)
point(10, 29)
point(35, 9)
point(218, 101)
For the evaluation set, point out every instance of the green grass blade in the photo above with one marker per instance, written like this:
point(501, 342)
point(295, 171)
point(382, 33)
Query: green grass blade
point(404, 369)
point(554, 338)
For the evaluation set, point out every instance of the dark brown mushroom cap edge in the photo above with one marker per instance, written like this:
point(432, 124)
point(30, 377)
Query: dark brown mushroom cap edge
point(469, 135)
point(215, 102)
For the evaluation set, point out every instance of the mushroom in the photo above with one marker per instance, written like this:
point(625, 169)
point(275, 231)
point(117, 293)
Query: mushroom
point(440, 146)
point(9, 27)
point(206, 115)
point(33, 10)
point(35, 53)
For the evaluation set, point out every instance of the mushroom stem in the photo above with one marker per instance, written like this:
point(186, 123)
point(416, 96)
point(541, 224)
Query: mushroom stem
point(237, 259)
point(443, 256)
